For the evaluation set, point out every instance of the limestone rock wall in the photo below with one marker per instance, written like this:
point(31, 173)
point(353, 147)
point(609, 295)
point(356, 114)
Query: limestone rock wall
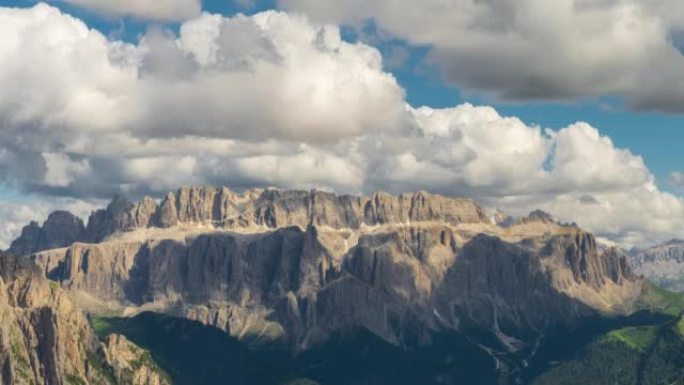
point(663, 264)
point(399, 282)
point(44, 338)
point(225, 208)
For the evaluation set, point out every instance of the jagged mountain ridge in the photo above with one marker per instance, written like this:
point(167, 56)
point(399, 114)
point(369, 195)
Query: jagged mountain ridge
point(225, 208)
point(663, 264)
point(298, 266)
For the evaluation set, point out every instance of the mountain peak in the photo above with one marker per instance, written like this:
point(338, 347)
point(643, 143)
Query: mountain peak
point(61, 228)
point(540, 215)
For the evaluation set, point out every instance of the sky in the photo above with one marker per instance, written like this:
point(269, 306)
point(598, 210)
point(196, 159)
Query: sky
point(575, 107)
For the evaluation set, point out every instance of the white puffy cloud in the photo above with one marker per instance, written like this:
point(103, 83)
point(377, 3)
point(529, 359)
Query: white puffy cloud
point(537, 49)
point(245, 87)
point(276, 100)
point(270, 75)
point(58, 74)
point(574, 173)
point(163, 10)
point(590, 162)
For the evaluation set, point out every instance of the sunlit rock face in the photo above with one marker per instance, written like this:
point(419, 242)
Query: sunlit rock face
point(130, 364)
point(224, 208)
point(298, 266)
point(45, 339)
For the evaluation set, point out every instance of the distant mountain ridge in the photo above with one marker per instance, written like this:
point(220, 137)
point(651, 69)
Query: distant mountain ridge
point(663, 264)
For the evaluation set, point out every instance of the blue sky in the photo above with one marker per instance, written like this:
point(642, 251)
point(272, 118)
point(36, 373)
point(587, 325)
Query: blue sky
point(317, 116)
point(657, 137)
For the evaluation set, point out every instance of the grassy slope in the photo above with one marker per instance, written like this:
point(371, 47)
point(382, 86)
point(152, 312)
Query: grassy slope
point(646, 355)
point(637, 338)
point(639, 355)
point(660, 300)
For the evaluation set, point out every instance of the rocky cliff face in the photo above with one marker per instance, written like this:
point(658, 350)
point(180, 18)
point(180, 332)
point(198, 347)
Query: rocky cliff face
point(400, 281)
point(663, 264)
point(224, 208)
point(131, 364)
point(277, 208)
point(44, 338)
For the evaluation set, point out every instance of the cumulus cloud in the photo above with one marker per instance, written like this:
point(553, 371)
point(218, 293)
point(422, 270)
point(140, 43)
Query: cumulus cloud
point(258, 86)
point(274, 99)
point(270, 75)
point(574, 173)
point(677, 179)
point(162, 10)
point(62, 170)
point(537, 49)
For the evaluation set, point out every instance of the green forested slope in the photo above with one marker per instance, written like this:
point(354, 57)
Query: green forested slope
point(646, 355)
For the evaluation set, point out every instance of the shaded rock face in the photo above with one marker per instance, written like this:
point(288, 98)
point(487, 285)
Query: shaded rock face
point(539, 216)
point(103, 270)
point(528, 286)
point(46, 340)
point(120, 215)
point(587, 267)
point(663, 264)
point(400, 283)
point(61, 229)
point(167, 215)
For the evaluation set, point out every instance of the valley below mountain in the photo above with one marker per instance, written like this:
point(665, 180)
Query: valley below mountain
point(213, 286)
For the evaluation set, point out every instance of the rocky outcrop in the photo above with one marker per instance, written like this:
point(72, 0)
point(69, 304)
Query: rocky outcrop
point(167, 215)
point(44, 338)
point(59, 230)
point(539, 216)
point(120, 215)
point(663, 264)
point(105, 270)
point(131, 364)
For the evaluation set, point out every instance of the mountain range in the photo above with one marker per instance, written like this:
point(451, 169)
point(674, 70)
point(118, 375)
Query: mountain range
point(663, 264)
point(290, 279)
